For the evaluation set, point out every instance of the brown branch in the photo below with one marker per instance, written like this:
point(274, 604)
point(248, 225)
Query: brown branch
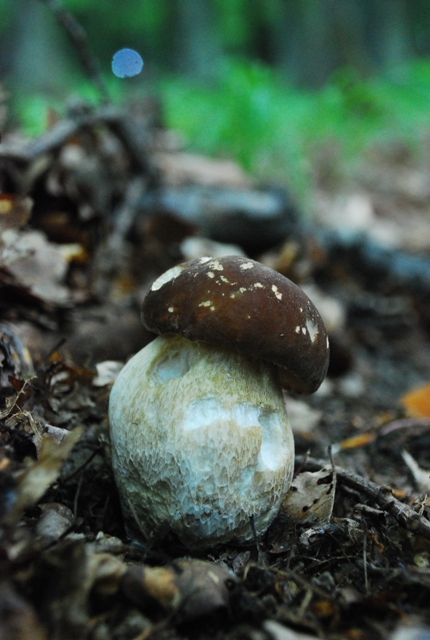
point(116, 120)
point(383, 496)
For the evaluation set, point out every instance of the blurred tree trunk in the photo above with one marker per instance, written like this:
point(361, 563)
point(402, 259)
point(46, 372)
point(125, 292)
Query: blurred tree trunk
point(390, 31)
point(285, 36)
point(349, 35)
point(302, 41)
point(39, 51)
point(198, 52)
point(419, 19)
point(311, 38)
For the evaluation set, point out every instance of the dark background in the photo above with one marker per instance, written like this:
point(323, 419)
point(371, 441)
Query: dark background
point(306, 39)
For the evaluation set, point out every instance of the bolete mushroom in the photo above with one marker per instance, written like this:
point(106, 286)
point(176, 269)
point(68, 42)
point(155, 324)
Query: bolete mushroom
point(200, 437)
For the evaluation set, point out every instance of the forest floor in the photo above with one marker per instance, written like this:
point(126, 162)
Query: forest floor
point(74, 265)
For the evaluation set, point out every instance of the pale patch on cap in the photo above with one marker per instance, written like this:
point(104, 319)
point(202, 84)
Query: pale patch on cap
point(169, 275)
point(312, 329)
point(276, 291)
point(246, 265)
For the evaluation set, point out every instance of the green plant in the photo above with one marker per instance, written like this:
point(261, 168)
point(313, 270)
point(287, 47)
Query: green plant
point(275, 130)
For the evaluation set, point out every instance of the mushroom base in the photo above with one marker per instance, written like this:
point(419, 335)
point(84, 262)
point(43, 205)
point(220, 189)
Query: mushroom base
point(200, 442)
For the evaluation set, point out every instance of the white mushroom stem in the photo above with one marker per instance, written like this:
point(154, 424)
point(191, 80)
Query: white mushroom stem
point(201, 441)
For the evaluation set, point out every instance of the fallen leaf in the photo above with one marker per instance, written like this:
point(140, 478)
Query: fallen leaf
point(37, 477)
point(105, 573)
point(417, 402)
point(356, 441)
point(107, 372)
point(190, 588)
point(323, 608)
point(36, 264)
point(14, 211)
point(311, 496)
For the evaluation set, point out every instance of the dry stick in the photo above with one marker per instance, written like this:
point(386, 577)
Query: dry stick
point(113, 252)
point(383, 496)
point(83, 465)
point(69, 127)
point(366, 576)
point(125, 214)
point(55, 137)
point(117, 120)
point(261, 559)
point(79, 40)
point(76, 499)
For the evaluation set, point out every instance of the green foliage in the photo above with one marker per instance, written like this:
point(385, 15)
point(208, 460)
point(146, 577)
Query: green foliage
point(247, 116)
point(31, 111)
point(275, 130)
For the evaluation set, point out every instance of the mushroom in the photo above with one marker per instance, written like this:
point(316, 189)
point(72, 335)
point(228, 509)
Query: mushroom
point(201, 442)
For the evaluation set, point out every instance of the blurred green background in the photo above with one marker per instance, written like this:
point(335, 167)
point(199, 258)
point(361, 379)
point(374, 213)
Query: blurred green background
point(271, 84)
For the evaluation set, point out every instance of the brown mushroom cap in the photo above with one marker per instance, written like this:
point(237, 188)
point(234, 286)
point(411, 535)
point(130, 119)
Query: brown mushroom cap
point(237, 303)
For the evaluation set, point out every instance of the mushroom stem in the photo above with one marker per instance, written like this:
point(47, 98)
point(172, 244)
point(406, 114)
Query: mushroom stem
point(201, 441)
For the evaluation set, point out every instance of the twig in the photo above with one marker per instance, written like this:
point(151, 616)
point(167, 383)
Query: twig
point(76, 499)
point(113, 252)
point(83, 465)
point(79, 39)
point(366, 577)
point(261, 558)
point(125, 214)
point(60, 133)
point(383, 496)
point(117, 120)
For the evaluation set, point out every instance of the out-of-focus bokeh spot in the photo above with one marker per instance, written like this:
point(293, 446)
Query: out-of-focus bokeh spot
point(127, 63)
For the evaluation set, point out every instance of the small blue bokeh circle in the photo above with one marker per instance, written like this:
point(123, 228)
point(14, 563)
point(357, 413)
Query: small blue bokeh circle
point(126, 63)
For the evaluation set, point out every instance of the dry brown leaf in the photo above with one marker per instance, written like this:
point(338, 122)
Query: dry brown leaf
point(36, 264)
point(417, 402)
point(104, 573)
point(356, 441)
point(158, 583)
point(14, 211)
point(311, 496)
point(37, 477)
point(190, 588)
